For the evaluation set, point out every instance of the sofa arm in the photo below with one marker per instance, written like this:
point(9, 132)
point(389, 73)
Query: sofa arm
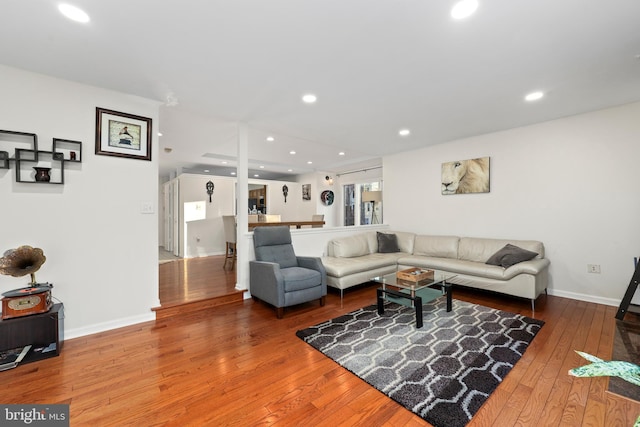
point(266, 282)
point(314, 263)
point(534, 266)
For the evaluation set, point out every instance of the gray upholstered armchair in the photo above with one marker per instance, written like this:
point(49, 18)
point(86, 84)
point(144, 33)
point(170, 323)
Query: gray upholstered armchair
point(281, 278)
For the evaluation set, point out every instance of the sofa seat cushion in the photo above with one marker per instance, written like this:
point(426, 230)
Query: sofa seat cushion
point(297, 278)
point(475, 268)
point(340, 267)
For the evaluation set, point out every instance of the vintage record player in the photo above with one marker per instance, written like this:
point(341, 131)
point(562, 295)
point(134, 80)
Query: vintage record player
point(25, 301)
point(35, 298)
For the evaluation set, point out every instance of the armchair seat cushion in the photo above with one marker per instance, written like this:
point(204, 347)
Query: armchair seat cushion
point(298, 278)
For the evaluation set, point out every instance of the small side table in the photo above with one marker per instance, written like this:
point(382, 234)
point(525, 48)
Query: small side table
point(42, 331)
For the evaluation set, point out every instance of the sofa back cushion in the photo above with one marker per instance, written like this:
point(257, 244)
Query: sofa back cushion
point(350, 246)
point(405, 241)
point(436, 246)
point(480, 250)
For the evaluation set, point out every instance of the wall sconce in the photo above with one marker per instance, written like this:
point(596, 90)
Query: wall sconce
point(210, 187)
point(285, 191)
point(329, 180)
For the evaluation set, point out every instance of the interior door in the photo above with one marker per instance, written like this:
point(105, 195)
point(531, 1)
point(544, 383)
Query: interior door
point(175, 213)
point(167, 218)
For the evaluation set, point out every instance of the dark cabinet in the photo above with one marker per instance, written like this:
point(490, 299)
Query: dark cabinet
point(44, 331)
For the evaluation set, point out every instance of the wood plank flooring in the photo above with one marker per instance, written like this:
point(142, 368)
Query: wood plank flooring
point(237, 365)
point(194, 279)
point(188, 285)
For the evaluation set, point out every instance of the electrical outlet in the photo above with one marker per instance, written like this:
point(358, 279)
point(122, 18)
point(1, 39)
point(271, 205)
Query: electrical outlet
point(146, 208)
point(593, 268)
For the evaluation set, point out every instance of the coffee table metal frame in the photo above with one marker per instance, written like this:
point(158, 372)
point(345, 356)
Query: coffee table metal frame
point(414, 293)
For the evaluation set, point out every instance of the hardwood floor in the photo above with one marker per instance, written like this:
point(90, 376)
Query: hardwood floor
point(188, 285)
point(237, 365)
point(187, 280)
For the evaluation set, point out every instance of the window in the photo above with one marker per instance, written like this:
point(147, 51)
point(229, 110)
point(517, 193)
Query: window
point(362, 203)
point(349, 204)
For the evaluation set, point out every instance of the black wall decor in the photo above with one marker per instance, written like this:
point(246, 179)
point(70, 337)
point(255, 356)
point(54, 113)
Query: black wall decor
point(210, 188)
point(33, 165)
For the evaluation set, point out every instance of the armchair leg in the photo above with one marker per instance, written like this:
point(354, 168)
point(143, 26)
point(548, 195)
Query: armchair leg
point(322, 300)
point(279, 312)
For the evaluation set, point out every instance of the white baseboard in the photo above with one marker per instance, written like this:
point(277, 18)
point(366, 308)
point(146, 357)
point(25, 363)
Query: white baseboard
point(106, 326)
point(205, 254)
point(584, 297)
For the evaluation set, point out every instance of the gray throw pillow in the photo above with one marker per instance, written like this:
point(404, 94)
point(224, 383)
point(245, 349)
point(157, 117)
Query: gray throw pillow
point(387, 243)
point(510, 255)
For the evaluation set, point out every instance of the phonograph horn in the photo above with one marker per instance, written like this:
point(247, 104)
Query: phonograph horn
point(22, 261)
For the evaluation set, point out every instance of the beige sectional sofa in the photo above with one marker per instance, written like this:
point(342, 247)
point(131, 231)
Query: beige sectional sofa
point(355, 259)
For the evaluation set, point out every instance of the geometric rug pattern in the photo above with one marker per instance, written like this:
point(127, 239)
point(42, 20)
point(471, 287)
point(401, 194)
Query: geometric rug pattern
point(442, 372)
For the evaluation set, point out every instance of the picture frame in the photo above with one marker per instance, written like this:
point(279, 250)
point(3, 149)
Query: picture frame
point(466, 176)
point(306, 191)
point(121, 134)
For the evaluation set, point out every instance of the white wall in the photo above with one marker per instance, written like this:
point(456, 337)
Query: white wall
point(315, 205)
point(206, 237)
point(294, 209)
point(571, 183)
point(102, 252)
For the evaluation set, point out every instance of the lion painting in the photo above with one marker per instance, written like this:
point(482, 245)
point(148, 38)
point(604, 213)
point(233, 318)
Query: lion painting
point(466, 176)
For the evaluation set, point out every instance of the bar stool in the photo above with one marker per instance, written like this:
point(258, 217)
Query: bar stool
point(229, 222)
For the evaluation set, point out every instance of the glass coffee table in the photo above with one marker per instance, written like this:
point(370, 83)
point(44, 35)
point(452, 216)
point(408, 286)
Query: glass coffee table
point(414, 293)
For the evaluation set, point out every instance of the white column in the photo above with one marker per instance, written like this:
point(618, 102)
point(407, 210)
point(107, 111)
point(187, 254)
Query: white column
point(242, 243)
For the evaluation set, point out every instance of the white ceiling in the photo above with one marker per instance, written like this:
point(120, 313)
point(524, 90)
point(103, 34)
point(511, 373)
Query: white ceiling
point(376, 66)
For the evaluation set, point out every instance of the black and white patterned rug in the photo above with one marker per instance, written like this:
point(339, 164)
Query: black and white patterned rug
point(442, 372)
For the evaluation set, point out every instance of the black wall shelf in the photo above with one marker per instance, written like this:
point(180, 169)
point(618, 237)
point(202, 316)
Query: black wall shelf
point(71, 150)
point(26, 156)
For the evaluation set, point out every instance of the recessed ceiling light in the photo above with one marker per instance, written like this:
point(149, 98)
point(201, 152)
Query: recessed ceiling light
point(309, 98)
point(341, 153)
point(270, 139)
point(289, 170)
point(261, 167)
point(309, 162)
point(206, 170)
point(159, 133)
point(464, 9)
point(534, 96)
point(292, 152)
point(224, 162)
point(256, 176)
point(233, 173)
point(404, 132)
point(73, 13)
